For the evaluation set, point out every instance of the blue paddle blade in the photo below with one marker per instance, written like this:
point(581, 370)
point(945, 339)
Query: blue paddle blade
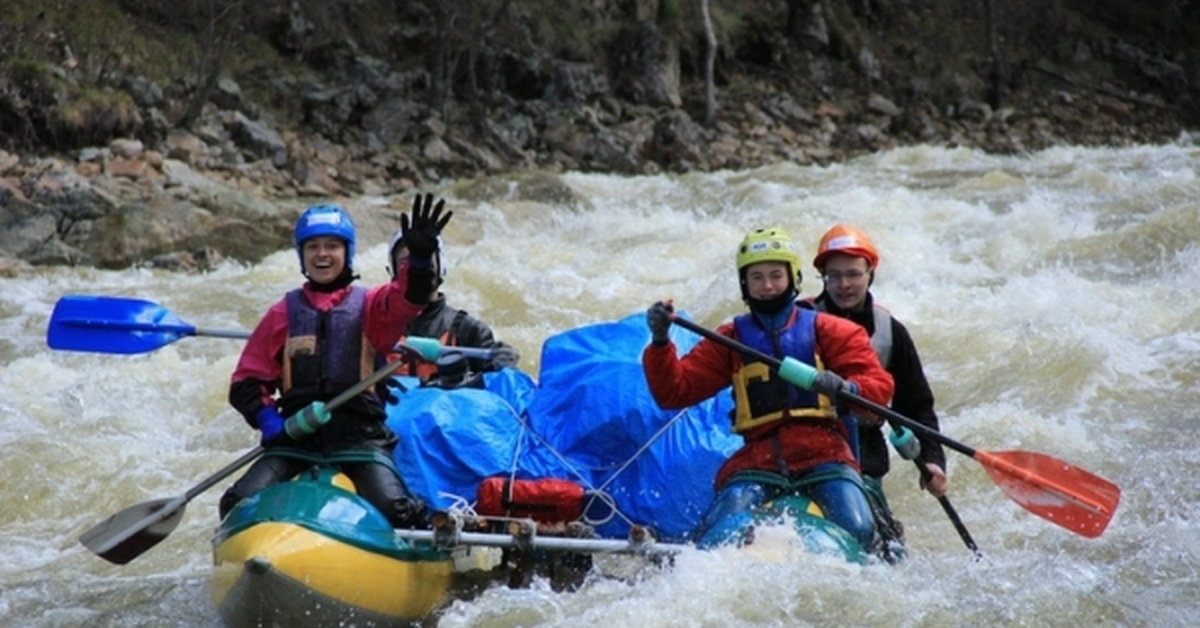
point(113, 325)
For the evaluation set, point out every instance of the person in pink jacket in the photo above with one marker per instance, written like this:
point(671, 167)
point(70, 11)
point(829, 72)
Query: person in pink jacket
point(322, 339)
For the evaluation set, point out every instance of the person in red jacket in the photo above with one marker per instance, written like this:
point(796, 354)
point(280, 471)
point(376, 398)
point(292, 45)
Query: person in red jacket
point(789, 432)
point(847, 260)
point(322, 339)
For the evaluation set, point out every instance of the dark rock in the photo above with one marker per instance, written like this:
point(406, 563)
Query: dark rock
point(395, 121)
point(228, 95)
point(677, 144)
point(257, 138)
point(350, 111)
point(145, 92)
point(575, 83)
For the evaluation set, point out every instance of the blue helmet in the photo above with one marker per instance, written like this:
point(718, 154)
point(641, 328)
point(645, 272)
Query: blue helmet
point(325, 220)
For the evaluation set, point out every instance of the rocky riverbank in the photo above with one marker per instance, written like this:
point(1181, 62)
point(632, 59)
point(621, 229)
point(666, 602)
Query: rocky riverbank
point(229, 183)
point(232, 187)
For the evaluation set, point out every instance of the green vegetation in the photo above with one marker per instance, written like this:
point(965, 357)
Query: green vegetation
point(93, 116)
point(74, 56)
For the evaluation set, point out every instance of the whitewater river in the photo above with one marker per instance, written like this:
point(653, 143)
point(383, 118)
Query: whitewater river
point(1053, 298)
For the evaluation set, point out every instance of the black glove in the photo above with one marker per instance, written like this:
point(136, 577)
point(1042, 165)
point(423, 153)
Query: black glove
point(387, 390)
point(421, 235)
point(504, 355)
point(411, 512)
point(658, 319)
point(830, 384)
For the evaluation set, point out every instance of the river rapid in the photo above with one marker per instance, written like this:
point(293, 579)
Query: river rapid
point(1052, 296)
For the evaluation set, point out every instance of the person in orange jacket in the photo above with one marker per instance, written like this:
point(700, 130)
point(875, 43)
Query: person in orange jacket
point(789, 432)
point(322, 339)
point(847, 259)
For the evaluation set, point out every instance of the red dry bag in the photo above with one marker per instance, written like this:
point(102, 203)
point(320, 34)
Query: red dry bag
point(545, 500)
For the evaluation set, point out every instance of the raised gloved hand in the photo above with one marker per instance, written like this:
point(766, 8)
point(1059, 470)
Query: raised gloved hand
point(504, 355)
point(270, 424)
point(309, 419)
point(658, 319)
point(421, 234)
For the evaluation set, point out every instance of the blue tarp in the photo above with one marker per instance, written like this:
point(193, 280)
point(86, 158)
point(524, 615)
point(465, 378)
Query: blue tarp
point(586, 418)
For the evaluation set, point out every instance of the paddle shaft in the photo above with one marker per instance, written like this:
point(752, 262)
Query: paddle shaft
point(110, 546)
point(1066, 495)
point(959, 526)
point(952, 514)
point(126, 325)
point(182, 330)
point(119, 325)
point(891, 415)
point(225, 472)
point(167, 510)
point(845, 395)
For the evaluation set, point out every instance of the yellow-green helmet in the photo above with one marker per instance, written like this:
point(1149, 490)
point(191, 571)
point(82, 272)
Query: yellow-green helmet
point(771, 244)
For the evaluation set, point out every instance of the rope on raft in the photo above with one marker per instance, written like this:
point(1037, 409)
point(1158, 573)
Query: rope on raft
point(594, 493)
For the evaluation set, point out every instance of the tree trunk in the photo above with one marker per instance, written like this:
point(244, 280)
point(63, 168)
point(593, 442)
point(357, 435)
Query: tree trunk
point(439, 61)
point(795, 12)
point(710, 56)
point(223, 26)
point(996, 71)
point(474, 102)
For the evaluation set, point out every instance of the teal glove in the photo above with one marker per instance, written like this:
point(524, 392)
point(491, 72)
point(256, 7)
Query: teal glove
point(308, 420)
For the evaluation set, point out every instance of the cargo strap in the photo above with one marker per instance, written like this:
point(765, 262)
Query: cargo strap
point(795, 485)
point(351, 456)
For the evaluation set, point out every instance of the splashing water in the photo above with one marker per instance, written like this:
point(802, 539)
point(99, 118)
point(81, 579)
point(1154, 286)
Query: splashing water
point(1052, 297)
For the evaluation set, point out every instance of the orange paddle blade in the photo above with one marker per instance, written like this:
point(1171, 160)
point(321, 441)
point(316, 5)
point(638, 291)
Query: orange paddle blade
point(1063, 494)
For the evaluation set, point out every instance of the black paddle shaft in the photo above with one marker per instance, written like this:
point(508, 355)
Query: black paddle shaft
point(845, 395)
point(883, 411)
point(129, 533)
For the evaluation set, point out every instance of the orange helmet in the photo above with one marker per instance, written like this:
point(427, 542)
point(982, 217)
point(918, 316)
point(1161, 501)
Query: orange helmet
point(847, 240)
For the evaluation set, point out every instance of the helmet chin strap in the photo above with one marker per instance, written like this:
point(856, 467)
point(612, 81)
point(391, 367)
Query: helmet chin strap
point(346, 278)
point(772, 306)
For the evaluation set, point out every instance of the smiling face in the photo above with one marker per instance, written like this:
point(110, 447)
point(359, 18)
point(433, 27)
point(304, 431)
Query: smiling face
point(324, 258)
point(767, 280)
point(847, 278)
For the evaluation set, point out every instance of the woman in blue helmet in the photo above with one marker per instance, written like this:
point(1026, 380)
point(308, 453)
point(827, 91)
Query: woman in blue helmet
point(324, 338)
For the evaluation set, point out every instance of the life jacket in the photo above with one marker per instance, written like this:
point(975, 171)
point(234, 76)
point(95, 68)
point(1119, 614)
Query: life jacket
point(326, 352)
point(423, 369)
point(760, 396)
point(881, 340)
point(881, 337)
point(426, 370)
